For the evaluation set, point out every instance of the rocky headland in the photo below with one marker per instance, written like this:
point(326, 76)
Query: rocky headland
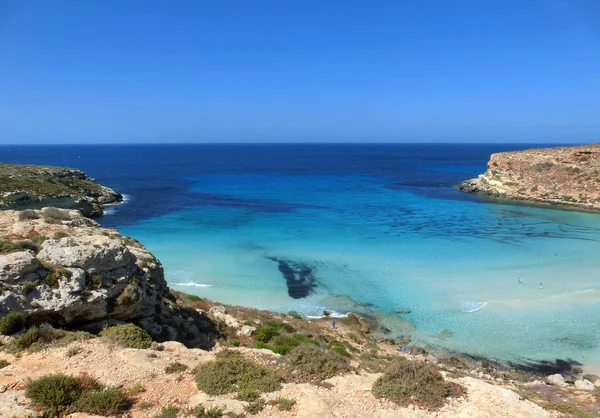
point(35, 187)
point(560, 176)
point(89, 328)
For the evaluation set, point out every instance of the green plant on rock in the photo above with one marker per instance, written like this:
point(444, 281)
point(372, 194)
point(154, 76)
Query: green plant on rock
point(106, 401)
point(170, 411)
point(11, 323)
point(127, 335)
point(58, 393)
point(408, 382)
point(8, 246)
point(4, 363)
point(29, 287)
point(255, 407)
point(176, 367)
point(311, 363)
point(202, 411)
point(565, 408)
point(231, 372)
point(284, 404)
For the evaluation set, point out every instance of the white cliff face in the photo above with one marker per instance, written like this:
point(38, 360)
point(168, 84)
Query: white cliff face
point(74, 273)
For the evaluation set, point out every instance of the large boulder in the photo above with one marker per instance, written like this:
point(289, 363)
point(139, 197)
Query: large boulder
point(17, 265)
point(84, 276)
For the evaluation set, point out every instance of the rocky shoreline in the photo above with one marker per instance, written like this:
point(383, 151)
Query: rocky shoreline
point(35, 187)
point(564, 177)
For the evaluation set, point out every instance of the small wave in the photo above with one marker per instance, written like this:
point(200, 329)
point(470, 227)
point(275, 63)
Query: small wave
point(126, 198)
point(109, 210)
point(333, 314)
point(192, 284)
point(469, 307)
point(575, 292)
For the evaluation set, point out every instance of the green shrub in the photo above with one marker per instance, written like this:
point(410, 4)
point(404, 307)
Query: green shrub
point(175, 367)
point(339, 348)
point(8, 246)
point(203, 412)
point(255, 407)
point(315, 364)
point(29, 286)
point(170, 411)
point(193, 298)
point(127, 335)
point(73, 351)
point(284, 404)
point(3, 364)
point(231, 372)
point(11, 323)
point(234, 342)
point(108, 401)
point(60, 234)
point(58, 393)
point(295, 314)
point(27, 214)
point(52, 213)
point(27, 339)
point(409, 382)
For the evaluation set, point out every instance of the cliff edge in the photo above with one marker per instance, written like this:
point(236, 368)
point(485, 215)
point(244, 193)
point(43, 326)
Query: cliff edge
point(563, 176)
point(34, 187)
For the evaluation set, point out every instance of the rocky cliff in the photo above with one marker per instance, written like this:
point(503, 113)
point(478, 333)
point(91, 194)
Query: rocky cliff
point(34, 187)
point(59, 267)
point(564, 176)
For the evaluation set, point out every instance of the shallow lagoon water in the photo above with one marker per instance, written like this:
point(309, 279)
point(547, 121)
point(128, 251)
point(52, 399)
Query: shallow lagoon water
point(365, 228)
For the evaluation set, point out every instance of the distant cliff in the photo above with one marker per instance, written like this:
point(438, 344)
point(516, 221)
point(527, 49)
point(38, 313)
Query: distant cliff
point(565, 176)
point(34, 187)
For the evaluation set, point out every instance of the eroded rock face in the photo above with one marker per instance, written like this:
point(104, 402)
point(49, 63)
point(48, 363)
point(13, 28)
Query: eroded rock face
point(84, 276)
point(35, 187)
point(565, 176)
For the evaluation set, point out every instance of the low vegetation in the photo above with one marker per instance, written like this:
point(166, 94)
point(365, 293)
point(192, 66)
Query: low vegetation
point(567, 409)
point(308, 363)
point(233, 373)
point(9, 246)
point(58, 394)
point(407, 382)
point(202, 411)
point(284, 404)
point(127, 335)
point(4, 363)
point(11, 323)
point(170, 411)
point(176, 368)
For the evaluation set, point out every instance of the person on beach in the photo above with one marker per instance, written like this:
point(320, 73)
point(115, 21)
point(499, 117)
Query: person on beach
point(333, 324)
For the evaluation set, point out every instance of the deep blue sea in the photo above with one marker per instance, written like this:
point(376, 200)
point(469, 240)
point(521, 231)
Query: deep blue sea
point(364, 228)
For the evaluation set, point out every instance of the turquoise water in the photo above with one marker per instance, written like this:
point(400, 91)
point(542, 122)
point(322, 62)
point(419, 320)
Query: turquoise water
point(363, 228)
point(455, 265)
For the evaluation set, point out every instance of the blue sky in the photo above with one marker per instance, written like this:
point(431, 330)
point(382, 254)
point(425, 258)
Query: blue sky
point(109, 71)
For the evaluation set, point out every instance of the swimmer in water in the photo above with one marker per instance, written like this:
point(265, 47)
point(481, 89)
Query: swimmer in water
point(519, 280)
point(541, 285)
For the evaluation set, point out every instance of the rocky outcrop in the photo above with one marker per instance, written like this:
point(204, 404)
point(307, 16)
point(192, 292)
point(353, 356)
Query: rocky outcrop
point(564, 176)
point(35, 187)
point(65, 270)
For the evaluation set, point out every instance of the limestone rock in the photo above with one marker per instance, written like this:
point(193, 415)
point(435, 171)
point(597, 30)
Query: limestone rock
point(14, 266)
point(584, 385)
point(564, 176)
point(247, 330)
point(556, 380)
point(89, 277)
